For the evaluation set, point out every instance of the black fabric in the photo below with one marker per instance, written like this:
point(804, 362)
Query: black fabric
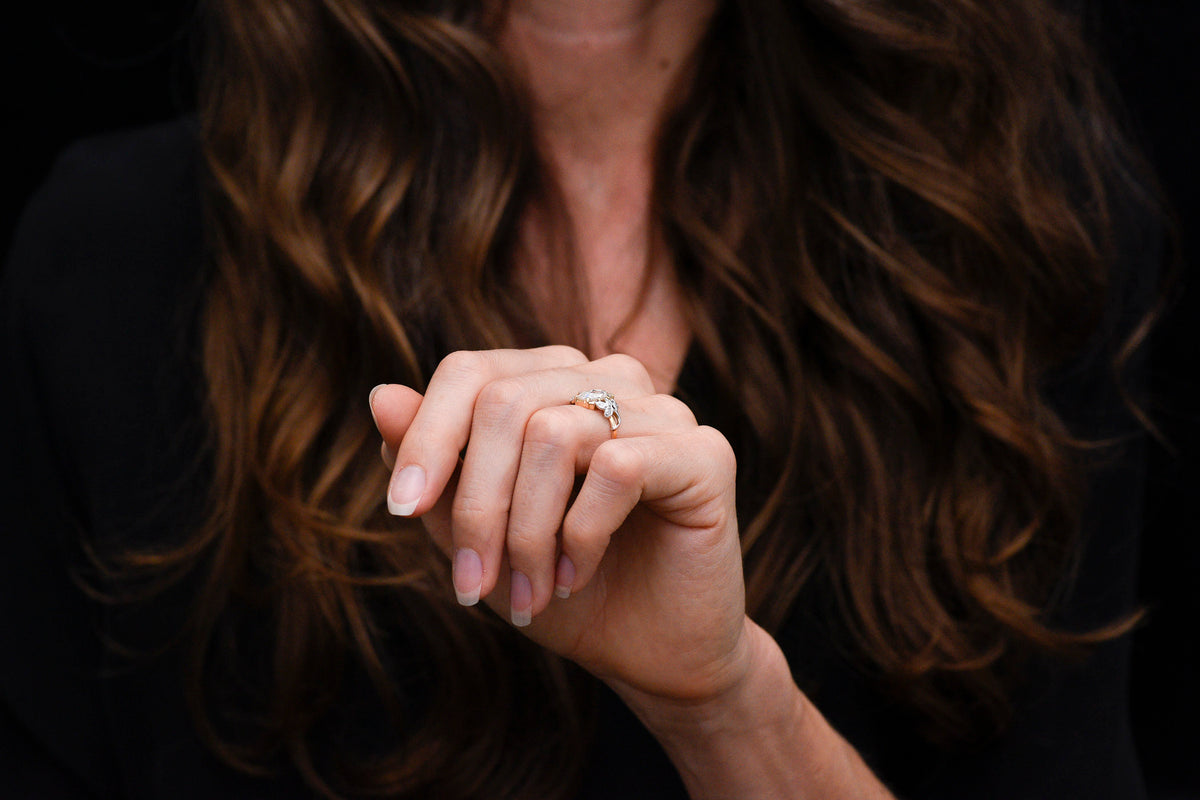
point(102, 443)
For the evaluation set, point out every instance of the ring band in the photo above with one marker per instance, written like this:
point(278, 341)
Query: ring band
point(602, 401)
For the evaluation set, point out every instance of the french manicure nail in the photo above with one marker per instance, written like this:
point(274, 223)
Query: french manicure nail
point(385, 452)
point(468, 575)
point(520, 596)
point(371, 402)
point(405, 492)
point(564, 577)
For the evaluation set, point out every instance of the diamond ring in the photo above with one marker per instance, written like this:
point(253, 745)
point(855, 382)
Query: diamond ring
point(602, 401)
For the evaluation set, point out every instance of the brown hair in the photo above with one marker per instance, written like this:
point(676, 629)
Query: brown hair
point(878, 213)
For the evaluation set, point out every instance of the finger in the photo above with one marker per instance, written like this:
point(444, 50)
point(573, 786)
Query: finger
point(428, 454)
point(393, 407)
point(687, 477)
point(465, 565)
point(549, 455)
point(559, 443)
point(483, 501)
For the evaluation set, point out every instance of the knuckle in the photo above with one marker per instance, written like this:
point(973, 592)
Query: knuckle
point(585, 541)
point(718, 447)
point(470, 514)
point(521, 544)
point(566, 354)
point(585, 538)
point(675, 410)
point(464, 363)
point(617, 463)
point(500, 399)
point(630, 367)
point(550, 427)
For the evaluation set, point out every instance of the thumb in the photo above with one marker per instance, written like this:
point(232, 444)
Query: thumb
point(393, 407)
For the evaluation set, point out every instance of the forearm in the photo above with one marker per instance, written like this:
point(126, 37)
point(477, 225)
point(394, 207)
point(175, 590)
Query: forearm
point(761, 739)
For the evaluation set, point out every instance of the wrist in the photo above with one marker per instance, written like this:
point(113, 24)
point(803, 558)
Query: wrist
point(758, 736)
point(750, 729)
point(748, 693)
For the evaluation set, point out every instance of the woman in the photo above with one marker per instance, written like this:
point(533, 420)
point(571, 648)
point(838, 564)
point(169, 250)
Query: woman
point(889, 253)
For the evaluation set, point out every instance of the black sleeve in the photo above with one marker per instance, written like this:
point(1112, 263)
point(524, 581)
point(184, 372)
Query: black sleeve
point(104, 445)
point(1072, 735)
point(54, 728)
point(100, 444)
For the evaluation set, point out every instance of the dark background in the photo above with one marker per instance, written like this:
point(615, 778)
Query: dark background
point(1151, 48)
point(84, 68)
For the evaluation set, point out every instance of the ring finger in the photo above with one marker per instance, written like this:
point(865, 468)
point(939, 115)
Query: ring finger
point(558, 446)
point(502, 411)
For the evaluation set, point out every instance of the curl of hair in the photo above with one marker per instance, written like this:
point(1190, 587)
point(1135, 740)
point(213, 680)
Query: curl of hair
point(877, 212)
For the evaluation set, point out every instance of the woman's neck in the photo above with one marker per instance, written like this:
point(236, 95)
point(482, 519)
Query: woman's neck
point(600, 76)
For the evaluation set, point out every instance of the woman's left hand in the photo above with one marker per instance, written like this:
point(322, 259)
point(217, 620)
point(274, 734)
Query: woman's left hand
point(657, 603)
point(648, 549)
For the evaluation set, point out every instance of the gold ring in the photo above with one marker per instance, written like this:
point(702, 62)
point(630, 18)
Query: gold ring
point(602, 401)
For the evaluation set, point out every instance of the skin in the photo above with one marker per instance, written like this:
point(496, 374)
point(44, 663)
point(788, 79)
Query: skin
point(639, 577)
point(600, 75)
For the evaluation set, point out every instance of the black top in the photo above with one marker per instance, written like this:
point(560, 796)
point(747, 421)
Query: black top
point(101, 431)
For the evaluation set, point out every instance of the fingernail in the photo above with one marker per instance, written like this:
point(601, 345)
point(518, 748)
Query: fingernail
point(520, 598)
point(564, 577)
point(385, 452)
point(468, 575)
point(371, 402)
point(405, 492)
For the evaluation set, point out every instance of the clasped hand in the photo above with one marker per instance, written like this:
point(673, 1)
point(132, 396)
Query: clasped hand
point(618, 552)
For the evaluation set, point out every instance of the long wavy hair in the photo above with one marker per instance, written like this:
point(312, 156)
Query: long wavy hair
point(887, 219)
